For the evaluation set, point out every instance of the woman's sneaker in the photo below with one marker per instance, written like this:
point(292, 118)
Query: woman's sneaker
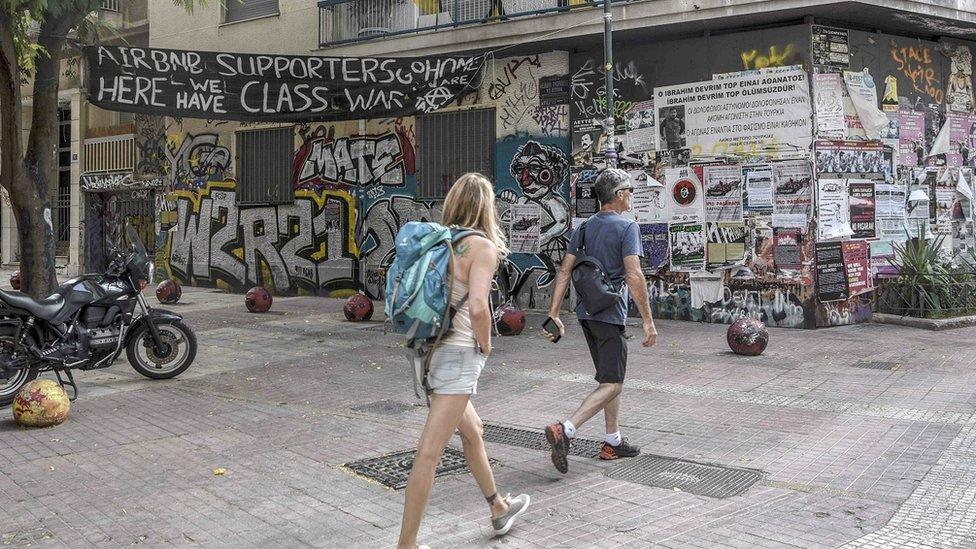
point(560, 446)
point(623, 450)
point(516, 506)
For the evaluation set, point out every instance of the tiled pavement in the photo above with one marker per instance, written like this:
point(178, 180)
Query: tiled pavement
point(851, 455)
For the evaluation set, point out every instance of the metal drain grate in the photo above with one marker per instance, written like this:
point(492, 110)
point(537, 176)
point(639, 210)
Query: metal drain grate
point(383, 408)
point(688, 476)
point(536, 440)
point(876, 365)
point(393, 469)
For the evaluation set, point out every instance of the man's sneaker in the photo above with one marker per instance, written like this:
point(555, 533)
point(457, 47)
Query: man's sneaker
point(516, 506)
point(560, 446)
point(624, 450)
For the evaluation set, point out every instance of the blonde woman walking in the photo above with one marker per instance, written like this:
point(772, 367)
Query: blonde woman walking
point(457, 362)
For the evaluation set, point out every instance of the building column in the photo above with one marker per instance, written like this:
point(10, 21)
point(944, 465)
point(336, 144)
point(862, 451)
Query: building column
point(77, 140)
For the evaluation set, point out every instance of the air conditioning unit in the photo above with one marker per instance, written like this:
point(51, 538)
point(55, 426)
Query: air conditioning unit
point(469, 10)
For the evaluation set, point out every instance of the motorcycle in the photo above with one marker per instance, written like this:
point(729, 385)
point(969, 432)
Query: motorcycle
point(86, 324)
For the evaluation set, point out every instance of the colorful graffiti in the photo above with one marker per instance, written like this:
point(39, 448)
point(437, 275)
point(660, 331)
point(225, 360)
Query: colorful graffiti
point(918, 64)
point(194, 160)
point(378, 234)
point(535, 170)
point(772, 57)
point(326, 162)
point(307, 246)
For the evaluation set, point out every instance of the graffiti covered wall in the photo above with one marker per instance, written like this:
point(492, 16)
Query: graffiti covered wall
point(355, 184)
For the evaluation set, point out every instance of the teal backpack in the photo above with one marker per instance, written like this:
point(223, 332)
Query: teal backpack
point(418, 289)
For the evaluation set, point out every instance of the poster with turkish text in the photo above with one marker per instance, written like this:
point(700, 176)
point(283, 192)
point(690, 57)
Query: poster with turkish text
point(525, 228)
point(723, 193)
point(792, 194)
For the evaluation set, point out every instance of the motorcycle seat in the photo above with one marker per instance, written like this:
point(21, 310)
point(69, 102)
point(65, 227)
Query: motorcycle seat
point(46, 309)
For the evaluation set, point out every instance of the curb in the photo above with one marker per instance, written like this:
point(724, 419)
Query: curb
point(925, 323)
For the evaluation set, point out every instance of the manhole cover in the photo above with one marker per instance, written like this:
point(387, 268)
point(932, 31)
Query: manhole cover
point(393, 469)
point(688, 476)
point(876, 365)
point(384, 408)
point(536, 440)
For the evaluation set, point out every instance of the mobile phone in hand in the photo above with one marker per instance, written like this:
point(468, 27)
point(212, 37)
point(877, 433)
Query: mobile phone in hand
point(550, 326)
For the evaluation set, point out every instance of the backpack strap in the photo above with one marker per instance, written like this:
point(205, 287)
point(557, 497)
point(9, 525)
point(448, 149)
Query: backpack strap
point(582, 246)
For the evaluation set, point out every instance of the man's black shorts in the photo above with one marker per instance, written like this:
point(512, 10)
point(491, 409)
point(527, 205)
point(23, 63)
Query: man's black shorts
point(608, 347)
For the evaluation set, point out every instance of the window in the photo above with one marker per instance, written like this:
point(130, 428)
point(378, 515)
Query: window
point(242, 10)
point(264, 166)
point(452, 144)
point(62, 191)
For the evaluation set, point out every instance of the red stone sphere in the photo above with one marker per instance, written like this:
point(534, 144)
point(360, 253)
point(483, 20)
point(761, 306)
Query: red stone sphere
point(511, 322)
point(169, 291)
point(747, 336)
point(258, 300)
point(358, 308)
point(15, 280)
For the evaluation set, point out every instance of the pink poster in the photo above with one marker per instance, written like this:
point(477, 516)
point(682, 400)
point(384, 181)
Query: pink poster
point(962, 134)
point(911, 138)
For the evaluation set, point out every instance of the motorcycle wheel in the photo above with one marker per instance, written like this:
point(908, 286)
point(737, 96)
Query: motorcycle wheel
point(180, 348)
point(11, 381)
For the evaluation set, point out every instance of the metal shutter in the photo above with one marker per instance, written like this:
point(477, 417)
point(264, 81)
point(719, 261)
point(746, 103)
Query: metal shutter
point(264, 166)
point(452, 144)
point(240, 10)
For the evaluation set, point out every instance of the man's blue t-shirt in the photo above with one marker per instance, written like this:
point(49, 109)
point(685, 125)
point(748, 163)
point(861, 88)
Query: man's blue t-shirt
point(610, 238)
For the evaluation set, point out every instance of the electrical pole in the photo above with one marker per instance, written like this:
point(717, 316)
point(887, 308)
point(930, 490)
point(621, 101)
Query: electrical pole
point(610, 147)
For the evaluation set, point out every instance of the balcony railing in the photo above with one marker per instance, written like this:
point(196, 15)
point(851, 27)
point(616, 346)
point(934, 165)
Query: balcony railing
point(109, 5)
point(110, 154)
point(356, 20)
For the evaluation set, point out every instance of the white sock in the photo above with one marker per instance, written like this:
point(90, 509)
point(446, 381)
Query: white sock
point(569, 429)
point(613, 439)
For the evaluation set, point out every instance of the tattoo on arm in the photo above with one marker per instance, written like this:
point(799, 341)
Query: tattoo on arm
point(462, 250)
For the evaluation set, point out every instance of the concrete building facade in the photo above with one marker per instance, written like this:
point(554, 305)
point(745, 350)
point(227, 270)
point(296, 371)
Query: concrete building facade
point(533, 126)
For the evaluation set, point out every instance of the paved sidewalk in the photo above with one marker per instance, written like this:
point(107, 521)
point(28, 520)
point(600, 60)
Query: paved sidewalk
point(851, 454)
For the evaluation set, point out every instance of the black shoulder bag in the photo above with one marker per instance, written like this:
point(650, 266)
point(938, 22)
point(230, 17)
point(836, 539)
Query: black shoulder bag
point(593, 286)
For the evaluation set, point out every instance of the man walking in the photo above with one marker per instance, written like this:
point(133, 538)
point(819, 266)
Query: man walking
point(615, 242)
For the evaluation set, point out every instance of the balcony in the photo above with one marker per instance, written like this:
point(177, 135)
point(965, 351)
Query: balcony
point(345, 21)
point(110, 154)
point(109, 5)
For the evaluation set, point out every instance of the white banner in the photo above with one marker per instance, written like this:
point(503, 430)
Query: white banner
point(736, 112)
